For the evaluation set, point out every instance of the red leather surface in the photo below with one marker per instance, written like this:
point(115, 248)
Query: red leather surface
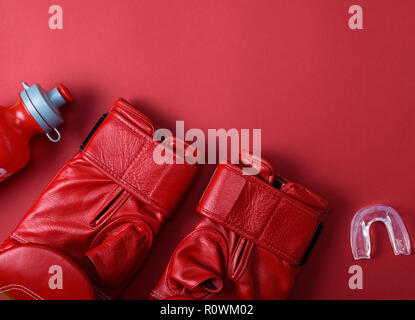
point(102, 213)
point(261, 213)
point(24, 275)
point(249, 243)
point(335, 107)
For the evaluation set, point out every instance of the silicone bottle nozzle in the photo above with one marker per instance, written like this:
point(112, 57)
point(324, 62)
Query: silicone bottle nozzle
point(65, 92)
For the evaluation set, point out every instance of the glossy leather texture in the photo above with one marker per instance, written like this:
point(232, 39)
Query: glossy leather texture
point(32, 272)
point(250, 241)
point(104, 208)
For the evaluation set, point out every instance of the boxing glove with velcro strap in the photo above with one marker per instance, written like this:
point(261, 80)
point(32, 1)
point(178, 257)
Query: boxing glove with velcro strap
point(255, 232)
point(90, 230)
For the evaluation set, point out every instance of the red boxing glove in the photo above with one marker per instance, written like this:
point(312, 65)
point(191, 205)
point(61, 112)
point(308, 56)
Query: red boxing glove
point(254, 234)
point(90, 230)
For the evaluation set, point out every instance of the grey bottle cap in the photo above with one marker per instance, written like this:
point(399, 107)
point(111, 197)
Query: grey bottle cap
point(44, 107)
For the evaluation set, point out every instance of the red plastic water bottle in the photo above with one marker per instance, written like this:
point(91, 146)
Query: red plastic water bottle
point(35, 111)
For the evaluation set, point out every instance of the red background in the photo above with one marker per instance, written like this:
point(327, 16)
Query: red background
point(336, 106)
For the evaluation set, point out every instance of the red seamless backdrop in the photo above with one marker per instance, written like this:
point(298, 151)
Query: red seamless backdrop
point(336, 106)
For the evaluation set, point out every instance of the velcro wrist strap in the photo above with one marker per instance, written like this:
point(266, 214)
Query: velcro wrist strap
point(259, 212)
point(124, 152)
